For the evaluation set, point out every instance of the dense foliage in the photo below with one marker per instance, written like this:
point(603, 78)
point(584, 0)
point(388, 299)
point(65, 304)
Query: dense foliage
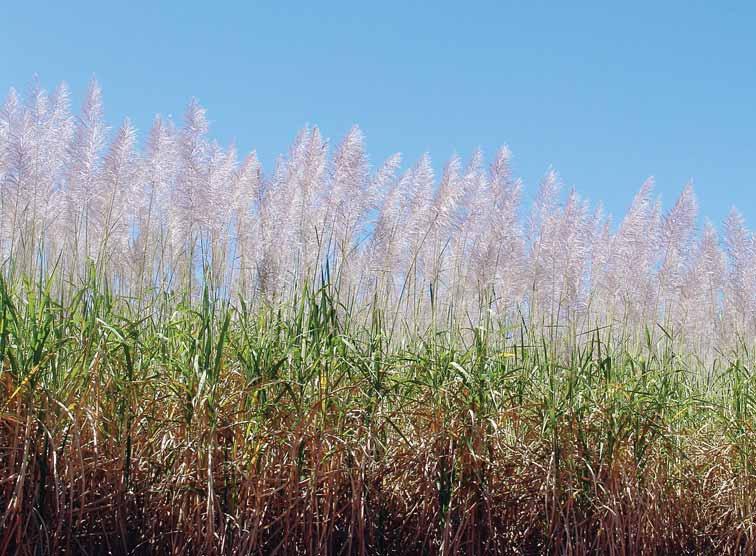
point(196, 358)
point(208, 429)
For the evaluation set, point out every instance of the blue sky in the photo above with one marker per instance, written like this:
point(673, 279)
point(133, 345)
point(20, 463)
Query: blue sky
point(607, 95)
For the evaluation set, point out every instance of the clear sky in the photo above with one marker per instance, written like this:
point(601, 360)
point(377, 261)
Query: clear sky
point(605, 94)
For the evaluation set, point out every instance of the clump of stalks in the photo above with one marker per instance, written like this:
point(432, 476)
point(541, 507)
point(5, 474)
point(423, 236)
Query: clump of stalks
point(172, 425)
